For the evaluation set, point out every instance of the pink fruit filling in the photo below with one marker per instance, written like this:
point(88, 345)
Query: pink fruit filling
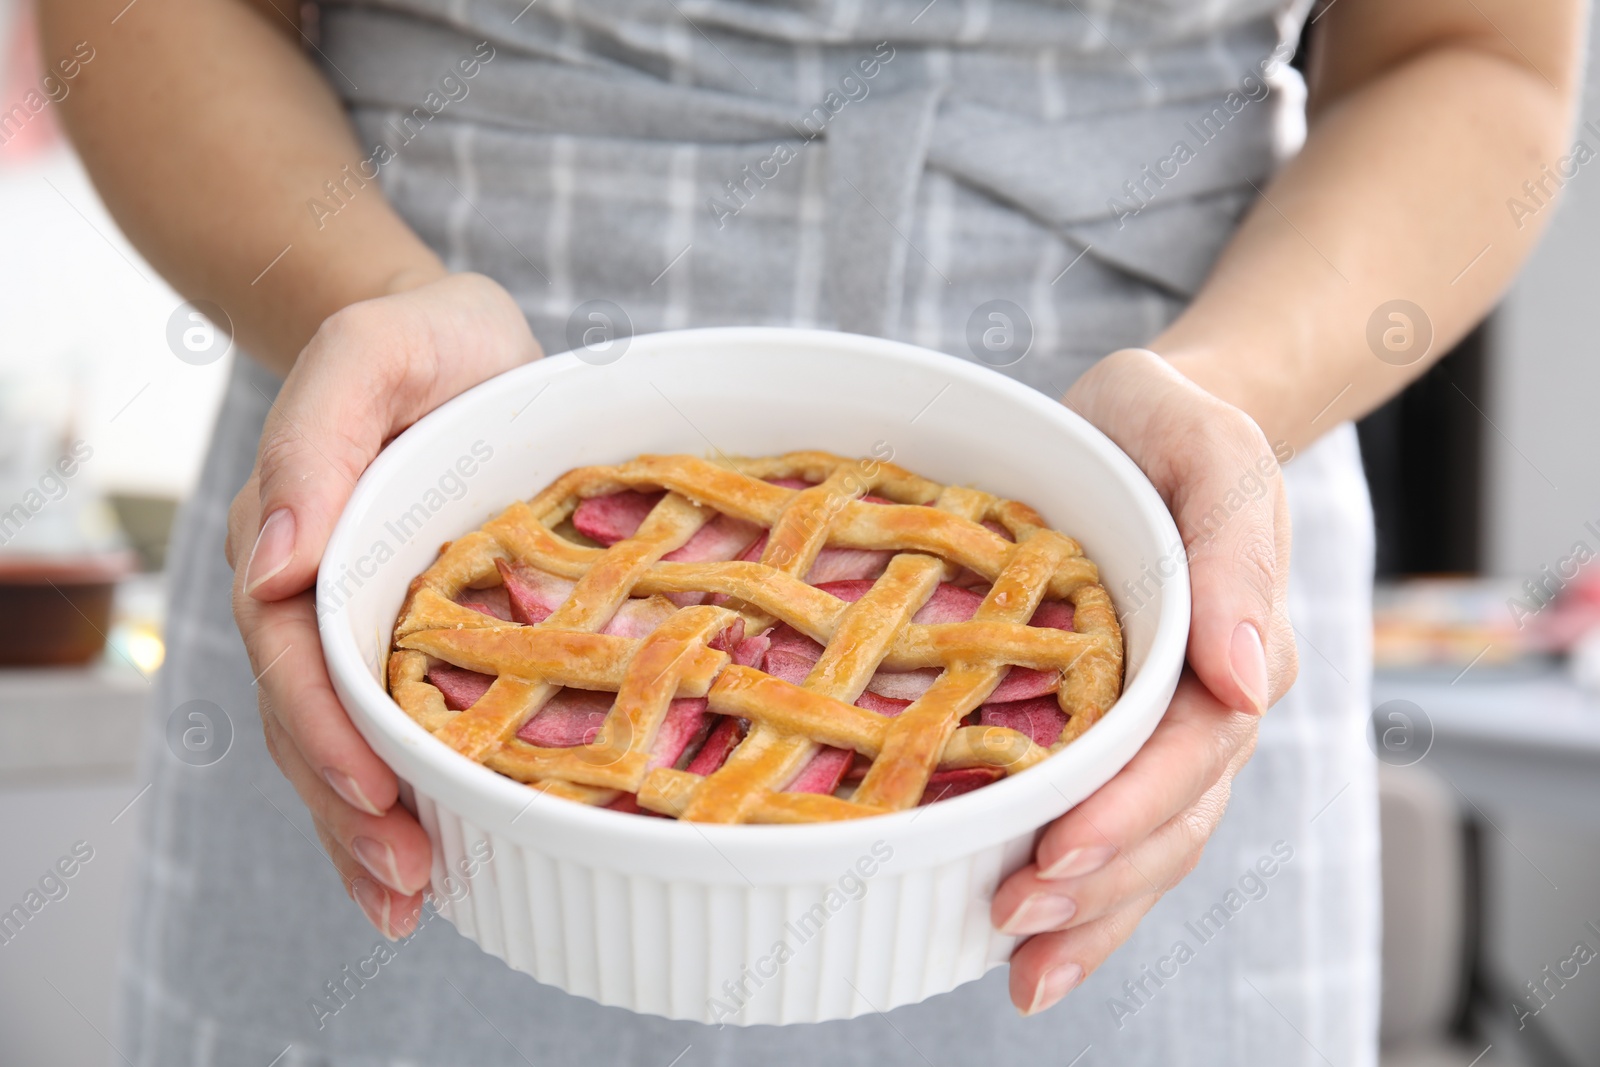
point(946, 783)
point(702, 741)
point(460, 687)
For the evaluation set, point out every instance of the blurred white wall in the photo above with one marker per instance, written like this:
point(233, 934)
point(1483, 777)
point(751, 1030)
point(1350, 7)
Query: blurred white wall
point(1544, 386)
point(85, 315)
point(1541, 887)
point(83, 319)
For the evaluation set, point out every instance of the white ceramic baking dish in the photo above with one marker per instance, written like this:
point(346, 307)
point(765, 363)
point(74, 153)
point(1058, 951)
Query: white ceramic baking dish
point(740, 924)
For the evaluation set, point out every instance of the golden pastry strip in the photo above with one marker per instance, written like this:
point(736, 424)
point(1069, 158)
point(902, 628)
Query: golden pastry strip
point(789, 708)
point(816, 615)
point(802, 527)
point(410, 691)
point(1094, 678)
point(507, 705)
point(653, 679)
point(759, 697)
point(917, 736)
point(669, 792)
point(581, 660)
point(524, 529)
point(769, 757)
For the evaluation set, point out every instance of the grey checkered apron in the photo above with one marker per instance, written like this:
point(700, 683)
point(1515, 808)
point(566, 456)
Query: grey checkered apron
point(892, 167)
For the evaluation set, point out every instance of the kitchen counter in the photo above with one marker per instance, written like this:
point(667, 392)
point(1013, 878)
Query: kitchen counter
point(70, 722)
point(1522, 741)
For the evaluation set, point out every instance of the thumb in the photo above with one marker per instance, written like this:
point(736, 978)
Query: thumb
point(1233, 518)
point(320, 435)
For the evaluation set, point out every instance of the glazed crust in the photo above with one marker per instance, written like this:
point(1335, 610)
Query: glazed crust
point(788, 723)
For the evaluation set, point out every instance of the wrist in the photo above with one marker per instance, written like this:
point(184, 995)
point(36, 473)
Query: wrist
point(1205, 369)
point(413, 276)
point(1227, 374)
point(306, 300)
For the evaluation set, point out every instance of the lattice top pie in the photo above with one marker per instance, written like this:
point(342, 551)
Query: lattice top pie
point(799, 638)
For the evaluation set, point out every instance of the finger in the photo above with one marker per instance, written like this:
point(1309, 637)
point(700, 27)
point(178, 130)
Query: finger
point(244, 520)
point(394, 914)
point(392, 848)
point(1226, 507)
point(383, 908)
point(1028, 904)
point(1049, 966)
point(1283, 658)
point(1196, 742)
point(286, 655)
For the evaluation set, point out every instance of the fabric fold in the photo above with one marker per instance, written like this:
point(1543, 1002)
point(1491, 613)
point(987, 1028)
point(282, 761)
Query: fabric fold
point(876, 155)
point(1146, 251)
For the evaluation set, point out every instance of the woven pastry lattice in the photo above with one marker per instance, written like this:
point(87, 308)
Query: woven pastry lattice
point(656, 646)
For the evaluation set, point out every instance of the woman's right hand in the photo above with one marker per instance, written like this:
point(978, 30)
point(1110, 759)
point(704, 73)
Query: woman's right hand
point(370, 371)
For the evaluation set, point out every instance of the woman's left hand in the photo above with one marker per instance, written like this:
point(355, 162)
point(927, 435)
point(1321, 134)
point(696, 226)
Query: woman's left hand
point(1099, 868)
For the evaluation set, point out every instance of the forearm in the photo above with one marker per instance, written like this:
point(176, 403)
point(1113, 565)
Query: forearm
point(1399, 193)
point(207, 132)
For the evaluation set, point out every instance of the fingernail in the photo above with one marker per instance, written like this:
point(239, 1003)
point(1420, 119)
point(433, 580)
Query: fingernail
point(1247, 658)
point(1079, 861)
point(349, 790)
point(374, 904)
point(406, 923)
point(1040, 912)
point(378, 857)
point(1056, 983)
point(273, 550)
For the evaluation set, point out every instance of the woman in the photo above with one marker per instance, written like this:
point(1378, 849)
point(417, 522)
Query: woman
point(1118, 172)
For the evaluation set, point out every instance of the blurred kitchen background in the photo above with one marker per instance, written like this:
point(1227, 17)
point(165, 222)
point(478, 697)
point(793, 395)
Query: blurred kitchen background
point(102, 431)
point(1487, 704)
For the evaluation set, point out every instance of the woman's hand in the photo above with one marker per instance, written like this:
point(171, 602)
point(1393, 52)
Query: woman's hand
point(370, 371)
point(1100, 867)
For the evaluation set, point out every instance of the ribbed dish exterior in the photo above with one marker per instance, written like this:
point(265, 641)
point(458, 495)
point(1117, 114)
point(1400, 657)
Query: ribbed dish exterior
point(723, 953)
